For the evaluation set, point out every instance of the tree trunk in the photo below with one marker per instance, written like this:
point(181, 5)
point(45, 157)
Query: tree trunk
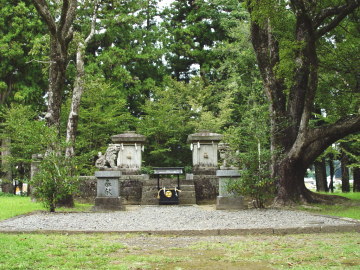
point(6, 184)
point(57, 77)
point(61, 33)
point(295, 144)
point(320, 175)
point(73, 118)
point(356, 174)
point(332, 173)
point(345, 185)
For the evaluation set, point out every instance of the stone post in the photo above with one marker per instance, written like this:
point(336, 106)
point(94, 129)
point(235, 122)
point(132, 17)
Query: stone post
point(108, 191)
point(228, 172)
point(226, 200)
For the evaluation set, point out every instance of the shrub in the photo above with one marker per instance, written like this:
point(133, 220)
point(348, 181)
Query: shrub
point(54, 180)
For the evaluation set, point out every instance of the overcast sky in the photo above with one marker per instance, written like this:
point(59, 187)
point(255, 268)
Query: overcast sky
point(165, 3)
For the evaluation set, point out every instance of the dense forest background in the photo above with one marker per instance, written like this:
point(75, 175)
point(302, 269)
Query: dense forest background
point(166, 73)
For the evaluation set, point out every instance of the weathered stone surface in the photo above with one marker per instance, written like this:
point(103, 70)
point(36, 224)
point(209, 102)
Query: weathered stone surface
point(206, 188)
point(204, 146)
point(108, 187)
point(108, 203)
point(228, 173)
point(128, 136)
point(108, 174)
point(87, 189)
point(131, 191)
point(230, 203)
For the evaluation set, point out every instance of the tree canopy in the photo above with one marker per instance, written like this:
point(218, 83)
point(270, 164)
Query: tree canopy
point(279, 75)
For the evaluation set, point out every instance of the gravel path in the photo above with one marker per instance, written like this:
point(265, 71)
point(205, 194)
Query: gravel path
point(164, 219)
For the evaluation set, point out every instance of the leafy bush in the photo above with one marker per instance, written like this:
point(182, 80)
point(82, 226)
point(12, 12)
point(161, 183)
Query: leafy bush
point(55, 180)
point(255, 180)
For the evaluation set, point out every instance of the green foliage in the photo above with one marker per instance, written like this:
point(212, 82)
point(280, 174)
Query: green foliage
point(27, 135)
point(20, 79)
point(251, 140)
point(255, 179)
point(166, 125)
point(55, 179)
point(103, 113)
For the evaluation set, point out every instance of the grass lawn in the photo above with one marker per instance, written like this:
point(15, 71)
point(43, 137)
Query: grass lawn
point(350, 209)
point(11, 206)
point(113, 251)
point(140, 251)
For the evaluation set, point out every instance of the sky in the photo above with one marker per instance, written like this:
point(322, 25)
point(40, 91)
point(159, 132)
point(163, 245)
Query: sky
point(165, 3)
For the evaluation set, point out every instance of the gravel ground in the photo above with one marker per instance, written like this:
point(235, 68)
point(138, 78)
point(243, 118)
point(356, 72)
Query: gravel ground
point(170, 218)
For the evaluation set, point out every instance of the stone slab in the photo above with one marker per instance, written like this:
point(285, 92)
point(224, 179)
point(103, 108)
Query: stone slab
point(228, 173)
point(108, 174)
point(230, 203)
point(106, 203)
point(108, 187)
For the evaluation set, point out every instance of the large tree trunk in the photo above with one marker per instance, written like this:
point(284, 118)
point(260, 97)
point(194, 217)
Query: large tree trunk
point(332, 173)
point(320, 175)
point(78, 90)
point(6, 173)
point(294, 143)
point(61, 33)
point(345, 184)
point(356, 174)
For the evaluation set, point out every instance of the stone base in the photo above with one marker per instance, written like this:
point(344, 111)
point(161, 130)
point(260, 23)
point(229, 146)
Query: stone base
point(230, 203)
point(108, 203)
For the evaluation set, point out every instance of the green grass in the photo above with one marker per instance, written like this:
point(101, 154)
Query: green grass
point(17, 205)
point(350, 209)
point(11, 206)
point(113, 251)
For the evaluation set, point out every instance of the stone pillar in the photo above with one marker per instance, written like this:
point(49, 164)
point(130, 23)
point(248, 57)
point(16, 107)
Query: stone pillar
point(226, 200)
point(131, 146)
point(108, 191)
point(204, 146)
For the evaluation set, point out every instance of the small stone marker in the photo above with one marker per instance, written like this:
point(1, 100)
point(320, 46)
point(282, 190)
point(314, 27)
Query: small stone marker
point(108, 191)
point(226, 200)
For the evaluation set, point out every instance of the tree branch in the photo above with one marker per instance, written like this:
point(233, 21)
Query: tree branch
point(43, 9)
point(93, 23)
point(311, 144)
point(340, 12)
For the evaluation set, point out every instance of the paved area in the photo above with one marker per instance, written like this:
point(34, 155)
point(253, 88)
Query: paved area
point(180, 220)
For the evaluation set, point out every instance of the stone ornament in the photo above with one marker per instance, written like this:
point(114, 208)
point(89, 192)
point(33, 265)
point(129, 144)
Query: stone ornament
point(227, 157)
point(124, 153)
point(108, 160)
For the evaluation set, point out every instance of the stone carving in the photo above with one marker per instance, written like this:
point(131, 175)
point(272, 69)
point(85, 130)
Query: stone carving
point(108, 160)
point(228, 157)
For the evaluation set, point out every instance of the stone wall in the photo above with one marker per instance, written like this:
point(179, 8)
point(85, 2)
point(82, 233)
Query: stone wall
point(206, 188)
point(131, 189)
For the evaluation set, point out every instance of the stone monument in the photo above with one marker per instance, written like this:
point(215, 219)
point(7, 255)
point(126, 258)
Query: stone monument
point(204, 146)
point(124, 154)
point(122, 157)
point(108, 191)
point(228, 172)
